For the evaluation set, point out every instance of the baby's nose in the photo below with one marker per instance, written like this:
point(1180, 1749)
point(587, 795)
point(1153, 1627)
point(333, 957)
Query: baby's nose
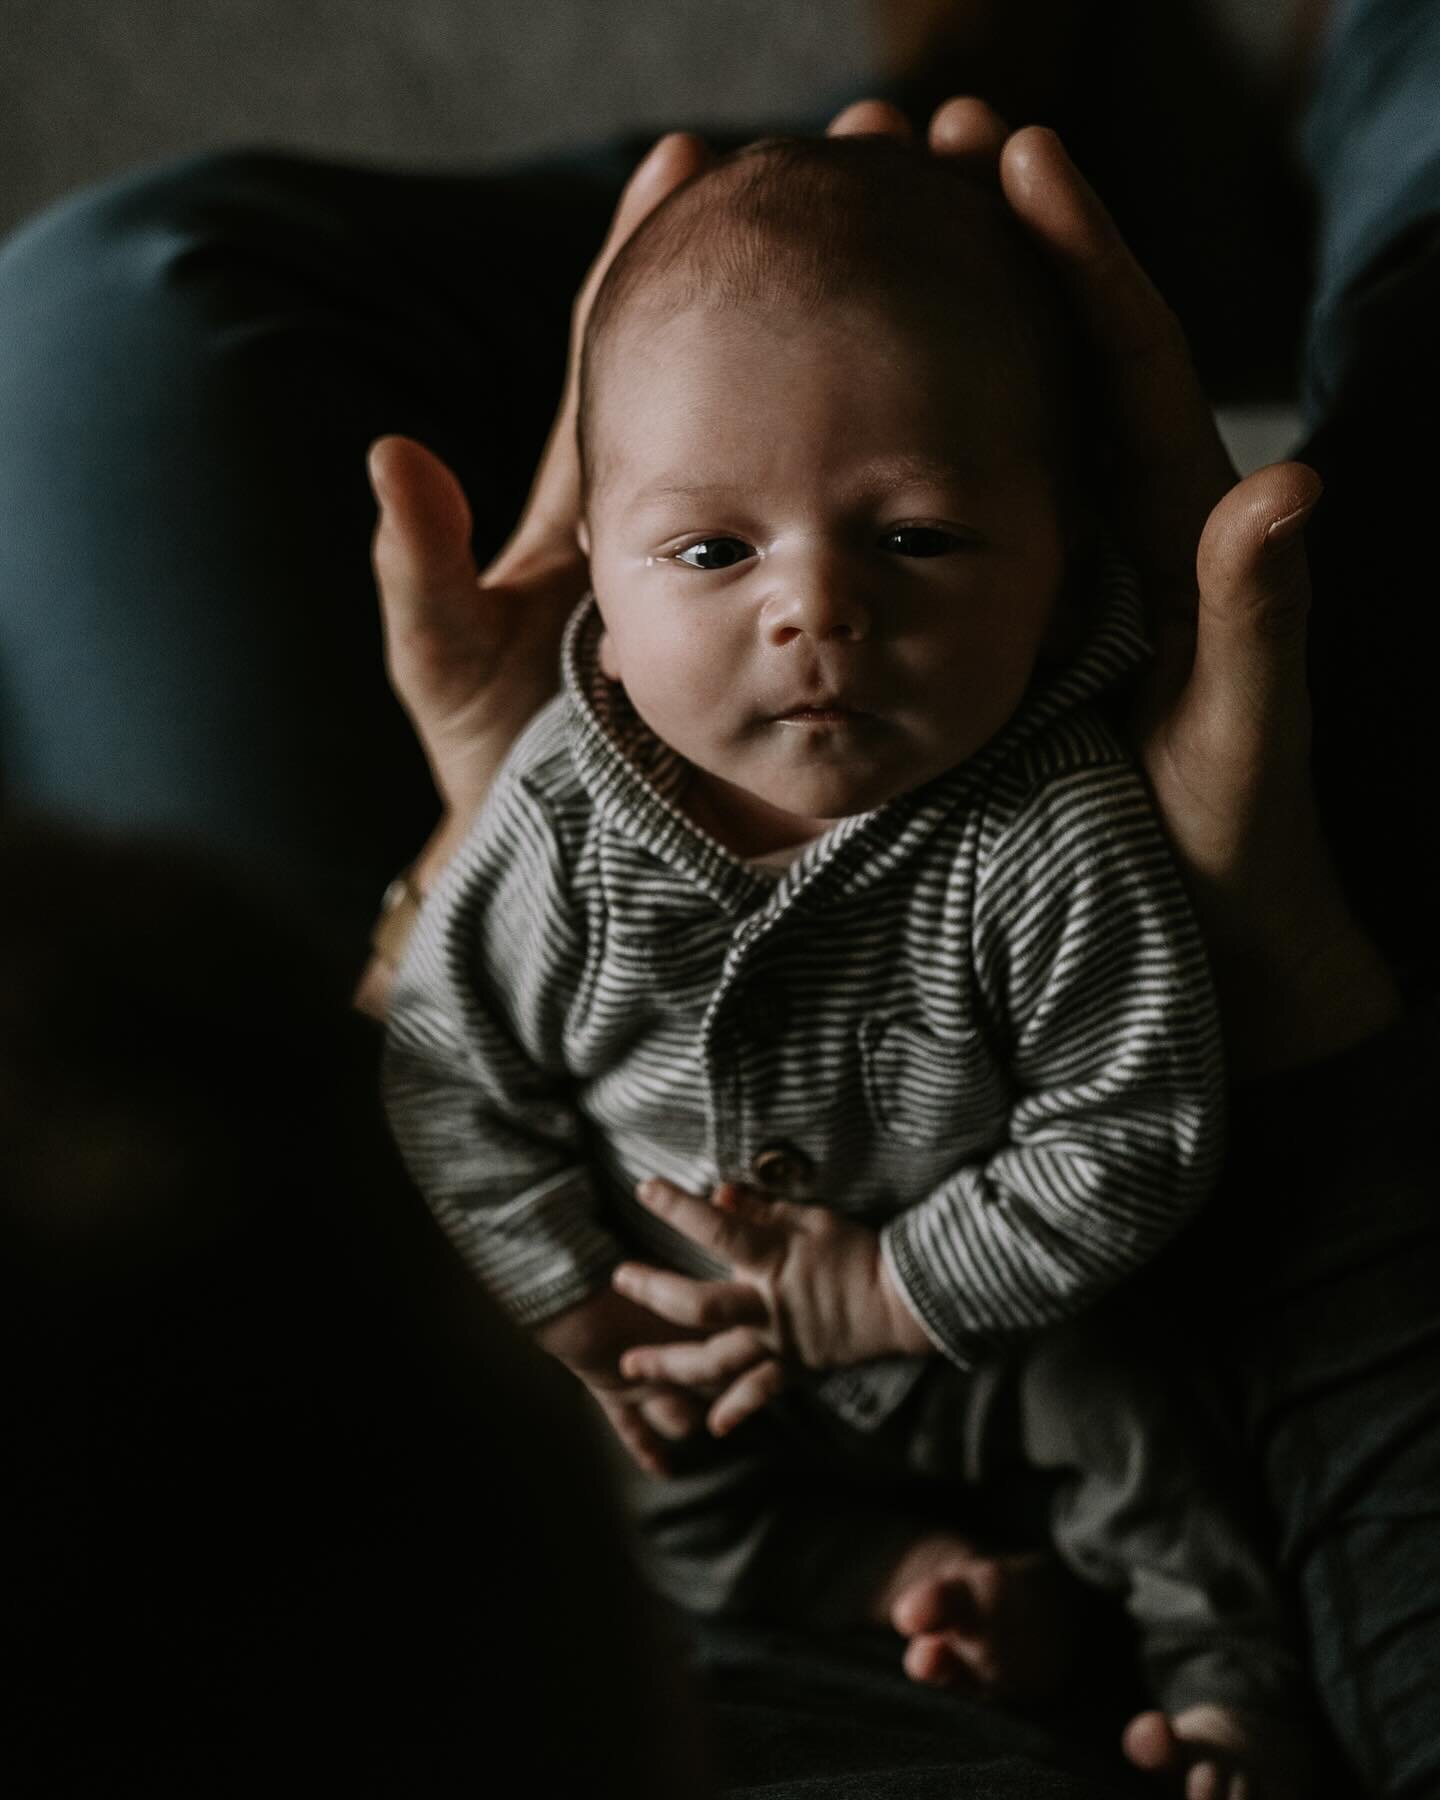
point(824, 603)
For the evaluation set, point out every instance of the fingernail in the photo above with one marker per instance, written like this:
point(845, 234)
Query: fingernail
point(1283, 531)
point(647, 1191)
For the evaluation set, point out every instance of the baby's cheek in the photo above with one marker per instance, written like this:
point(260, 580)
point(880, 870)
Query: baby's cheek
point(671, 699)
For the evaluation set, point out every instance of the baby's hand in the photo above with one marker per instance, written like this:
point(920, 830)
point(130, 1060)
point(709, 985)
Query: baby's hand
point(806, 1286)
point(590, 1339)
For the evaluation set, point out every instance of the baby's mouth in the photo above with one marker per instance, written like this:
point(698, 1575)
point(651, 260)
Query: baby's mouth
point(822, 711)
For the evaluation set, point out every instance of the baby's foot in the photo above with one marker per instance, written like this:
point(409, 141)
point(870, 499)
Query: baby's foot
point(1001, 1626)
point(1217, 1753)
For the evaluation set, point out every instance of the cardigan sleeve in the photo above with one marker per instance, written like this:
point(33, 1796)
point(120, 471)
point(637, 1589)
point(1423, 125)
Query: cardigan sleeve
point(474, 1082)
point(1090, 968)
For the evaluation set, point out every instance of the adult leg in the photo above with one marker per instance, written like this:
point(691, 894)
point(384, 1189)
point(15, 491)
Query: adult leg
point(1372, 378)
point(1326, 1250)
point(1323, 1267)
point(193, 360)
point(773, 1545)
point(1144, 1508)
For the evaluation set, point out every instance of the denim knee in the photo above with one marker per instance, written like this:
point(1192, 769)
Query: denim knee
point(124, 250)
point(125, 231)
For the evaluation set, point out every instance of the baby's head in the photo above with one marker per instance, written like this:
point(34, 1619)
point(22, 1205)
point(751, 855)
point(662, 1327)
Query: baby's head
point(828, 431)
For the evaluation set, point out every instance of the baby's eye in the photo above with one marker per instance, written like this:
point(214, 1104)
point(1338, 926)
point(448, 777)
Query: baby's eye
point(714, 553)
point(920, 540)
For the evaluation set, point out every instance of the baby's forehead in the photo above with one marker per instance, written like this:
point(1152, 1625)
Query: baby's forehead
point(966, 257)
point(812, 231)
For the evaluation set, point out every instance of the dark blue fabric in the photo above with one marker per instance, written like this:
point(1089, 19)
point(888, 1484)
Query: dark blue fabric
point(1372, 368)
point(193, 361)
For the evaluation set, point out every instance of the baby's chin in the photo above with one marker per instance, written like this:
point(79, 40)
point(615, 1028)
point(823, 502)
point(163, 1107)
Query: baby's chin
point(789, 807)
point(840, 778)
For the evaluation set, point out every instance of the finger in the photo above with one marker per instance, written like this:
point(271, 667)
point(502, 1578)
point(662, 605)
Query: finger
point(1227, 738)
point(1166, 431)
point(754, 1389)
point(672, 1416)
point(968, 128)
point(727, 1235)
point(645, 1449)
point(708, 1363)
point(1255, 598)
point(745, 1205)
point(681, 1300)
point(869, 118)
point(421, 552)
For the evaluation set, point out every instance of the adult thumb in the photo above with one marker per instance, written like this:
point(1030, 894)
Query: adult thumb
point(424, 564)
point(1254, 585)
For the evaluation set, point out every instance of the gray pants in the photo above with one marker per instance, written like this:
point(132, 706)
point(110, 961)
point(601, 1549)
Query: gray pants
point(1085, 1436)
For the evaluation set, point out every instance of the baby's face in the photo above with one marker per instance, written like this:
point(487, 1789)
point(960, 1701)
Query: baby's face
point(825, 559)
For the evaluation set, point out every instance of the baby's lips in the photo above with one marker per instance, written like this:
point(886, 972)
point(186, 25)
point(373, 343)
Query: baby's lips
point(839, 706)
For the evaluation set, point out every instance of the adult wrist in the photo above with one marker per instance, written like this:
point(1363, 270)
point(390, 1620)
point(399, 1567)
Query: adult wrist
point(1284, 1006)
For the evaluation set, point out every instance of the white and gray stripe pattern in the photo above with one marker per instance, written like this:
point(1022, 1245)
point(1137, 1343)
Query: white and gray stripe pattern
point(978, 1018)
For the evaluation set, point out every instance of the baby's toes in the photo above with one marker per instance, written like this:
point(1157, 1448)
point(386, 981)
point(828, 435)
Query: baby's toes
point(1207, 1781)
point(932, 1660)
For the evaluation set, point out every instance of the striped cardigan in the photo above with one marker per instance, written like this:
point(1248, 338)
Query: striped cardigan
point(978, 1018)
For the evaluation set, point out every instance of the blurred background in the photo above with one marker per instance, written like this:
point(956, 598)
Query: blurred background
point(89, 87)
point(1187, 129)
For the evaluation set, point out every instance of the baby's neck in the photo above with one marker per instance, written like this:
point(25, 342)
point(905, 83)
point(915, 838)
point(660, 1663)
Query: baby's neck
point(741, 823)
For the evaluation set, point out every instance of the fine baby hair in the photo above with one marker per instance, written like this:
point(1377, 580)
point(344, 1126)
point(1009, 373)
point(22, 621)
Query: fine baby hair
point(799, 226)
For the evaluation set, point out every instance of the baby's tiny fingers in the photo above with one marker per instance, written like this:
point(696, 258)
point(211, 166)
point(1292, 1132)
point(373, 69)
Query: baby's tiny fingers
point(681, 1300)
point(708, 1363)
point(645, 1449)
point(756, 1388)
point(744, 1203)
point(675, 1416)
point(724, 1234)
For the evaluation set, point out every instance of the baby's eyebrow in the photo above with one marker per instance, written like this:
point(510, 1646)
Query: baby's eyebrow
point(891, 471)
point(895, 471)
point(681, 490)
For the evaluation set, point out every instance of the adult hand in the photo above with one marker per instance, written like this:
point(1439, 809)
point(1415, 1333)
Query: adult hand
point(1223, 727)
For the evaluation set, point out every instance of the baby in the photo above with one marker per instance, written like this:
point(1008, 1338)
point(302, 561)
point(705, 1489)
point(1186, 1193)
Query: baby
point(825, 876)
